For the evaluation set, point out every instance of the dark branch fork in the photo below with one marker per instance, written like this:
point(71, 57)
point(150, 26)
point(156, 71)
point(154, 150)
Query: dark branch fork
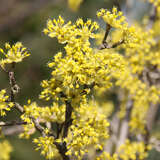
point(105, 44)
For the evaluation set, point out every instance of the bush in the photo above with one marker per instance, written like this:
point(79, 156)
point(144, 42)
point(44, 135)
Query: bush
point(78, 121)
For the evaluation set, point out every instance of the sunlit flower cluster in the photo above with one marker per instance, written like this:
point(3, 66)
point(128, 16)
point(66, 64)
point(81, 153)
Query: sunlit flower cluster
point(89, 128)
point(116, 20)
point(28, 130)
point(81, 67)
point(141, 54)
point(44, 114)
point(13, 54)
point(68, 33)
point(47, 147)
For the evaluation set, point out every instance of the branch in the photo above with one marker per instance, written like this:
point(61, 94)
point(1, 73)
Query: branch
point(12, 81)
point(38, 127)
point(117, 44)
point(68, 119)
point(68, 114)
point(12, 123)
point(62, 150)
point(60, 146)
point(152, 112)
point(8, 131)
point(14, 90)
point(59, 129)
point(104, 43)
point(124, 127)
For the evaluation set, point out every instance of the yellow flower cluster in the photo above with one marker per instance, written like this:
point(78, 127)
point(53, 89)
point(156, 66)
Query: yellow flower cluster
point(141, 54)
point(54, 113)
point(5, 150)
point(139, 58)
point(70, 75)
point(116, 20)
point(68, 33)
point(4, 105)
point(88, 129)
point(28, 130)
point(15, 53)
point(47, 147)
point(136, 59)
point(133, 150)
point(141, 94)
point(128, 151)
point(81, 65)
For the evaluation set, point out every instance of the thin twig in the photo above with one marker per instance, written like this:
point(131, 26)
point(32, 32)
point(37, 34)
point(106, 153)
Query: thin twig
point(104, 42)
point(11, 130)
point(117, 44)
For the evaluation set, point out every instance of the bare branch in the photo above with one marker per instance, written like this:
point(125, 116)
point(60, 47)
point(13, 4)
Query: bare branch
point(12, 123)
point(117, 44)
point(8, 131)
point(124, 130)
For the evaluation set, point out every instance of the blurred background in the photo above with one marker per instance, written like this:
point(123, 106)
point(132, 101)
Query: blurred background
point(24, 20)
